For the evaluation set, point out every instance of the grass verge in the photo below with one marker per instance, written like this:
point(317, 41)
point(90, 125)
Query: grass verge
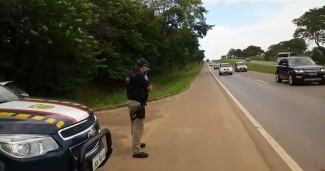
point(164, 86)
point(257, 58)
point(253, 67)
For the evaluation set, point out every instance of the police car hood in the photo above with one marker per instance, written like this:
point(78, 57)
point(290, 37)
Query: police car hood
point(39, 116)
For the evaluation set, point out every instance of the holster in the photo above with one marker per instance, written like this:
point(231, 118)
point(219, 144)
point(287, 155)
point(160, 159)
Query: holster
point(139, 113)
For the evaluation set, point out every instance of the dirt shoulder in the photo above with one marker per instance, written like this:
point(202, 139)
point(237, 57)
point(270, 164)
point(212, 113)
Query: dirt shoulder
point(195, 130)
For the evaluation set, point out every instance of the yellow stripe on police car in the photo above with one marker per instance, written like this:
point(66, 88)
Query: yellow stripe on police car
point(50, 120)
point(22, 115)
point(6, 113)
point(38, 118)
point(60, 124)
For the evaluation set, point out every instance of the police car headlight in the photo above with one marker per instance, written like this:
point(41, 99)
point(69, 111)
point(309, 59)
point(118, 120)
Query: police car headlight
point(26, 146)
point(322, 70)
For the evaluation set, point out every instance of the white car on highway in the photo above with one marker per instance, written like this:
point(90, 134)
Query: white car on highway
point(225, 68)
point(240, 66)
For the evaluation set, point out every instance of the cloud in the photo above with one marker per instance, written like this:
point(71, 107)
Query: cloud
point(273, 27)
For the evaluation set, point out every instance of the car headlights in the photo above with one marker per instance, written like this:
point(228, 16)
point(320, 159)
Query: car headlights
point(299, 70)
point(322, 70)
point(26, 146)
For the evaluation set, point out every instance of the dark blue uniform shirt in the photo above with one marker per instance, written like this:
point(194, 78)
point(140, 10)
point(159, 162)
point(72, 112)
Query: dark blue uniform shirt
point(137, 83)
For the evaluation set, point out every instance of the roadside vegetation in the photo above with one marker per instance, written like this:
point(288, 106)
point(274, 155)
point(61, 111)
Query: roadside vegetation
point(55, 48)
point(257, 58)
point(164, 86)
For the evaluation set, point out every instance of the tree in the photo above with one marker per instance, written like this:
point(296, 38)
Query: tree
point(311, 26)
point(45, 45)
point(231, 53)
point(238, 53)
point(317, 55)
point(252, 51)
point(53, 46)
point(293, 45)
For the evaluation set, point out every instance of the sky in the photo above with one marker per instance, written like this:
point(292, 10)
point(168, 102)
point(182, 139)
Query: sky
point(241, 23)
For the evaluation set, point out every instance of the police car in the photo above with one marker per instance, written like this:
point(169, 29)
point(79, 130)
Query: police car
point(49, 135)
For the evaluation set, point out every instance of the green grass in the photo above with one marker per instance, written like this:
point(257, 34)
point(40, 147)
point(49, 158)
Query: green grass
point(258, 58)
point(253, 67)
point(175, 82)
point(164, 86)
point(261, 68)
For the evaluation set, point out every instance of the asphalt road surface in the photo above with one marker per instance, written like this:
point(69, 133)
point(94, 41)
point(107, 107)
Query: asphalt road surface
point(195, 130)
point(293, 115)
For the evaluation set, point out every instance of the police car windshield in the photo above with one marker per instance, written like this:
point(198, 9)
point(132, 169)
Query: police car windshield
point(6, 95)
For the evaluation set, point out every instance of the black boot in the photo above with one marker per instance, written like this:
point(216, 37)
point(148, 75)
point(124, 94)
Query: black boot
point(141, 155)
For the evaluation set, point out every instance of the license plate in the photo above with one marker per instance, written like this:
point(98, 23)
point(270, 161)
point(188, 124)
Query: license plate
point(312, 74)
point(98, 159)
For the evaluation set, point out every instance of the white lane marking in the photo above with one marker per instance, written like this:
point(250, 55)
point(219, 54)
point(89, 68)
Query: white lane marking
point(276, 146)
point(263, 81)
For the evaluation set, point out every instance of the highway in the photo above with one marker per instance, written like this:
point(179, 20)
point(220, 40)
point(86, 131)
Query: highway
point(293, 115)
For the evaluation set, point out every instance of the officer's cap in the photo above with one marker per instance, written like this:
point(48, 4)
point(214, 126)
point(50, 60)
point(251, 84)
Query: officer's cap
point(142, 62)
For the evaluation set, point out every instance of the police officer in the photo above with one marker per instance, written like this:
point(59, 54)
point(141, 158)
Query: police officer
point(138, 86)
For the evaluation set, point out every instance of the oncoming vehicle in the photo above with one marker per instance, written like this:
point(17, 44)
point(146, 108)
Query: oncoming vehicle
point(225, 68)
point(216, 66)
point(285, 55)
point(240, 66)
point(49, 135)
point(299, 70)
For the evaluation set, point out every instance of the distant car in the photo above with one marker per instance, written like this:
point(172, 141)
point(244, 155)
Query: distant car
point(216, 66)
point(240, 66)
point(247, 59)
point(211, 64)
point(299, 70)
point(225, 68)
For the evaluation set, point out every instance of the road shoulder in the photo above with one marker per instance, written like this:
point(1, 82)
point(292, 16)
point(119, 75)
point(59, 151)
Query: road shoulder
point(195, 130)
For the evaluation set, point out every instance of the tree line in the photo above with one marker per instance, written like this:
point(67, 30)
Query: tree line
point(52, 46)
point(310, 27)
